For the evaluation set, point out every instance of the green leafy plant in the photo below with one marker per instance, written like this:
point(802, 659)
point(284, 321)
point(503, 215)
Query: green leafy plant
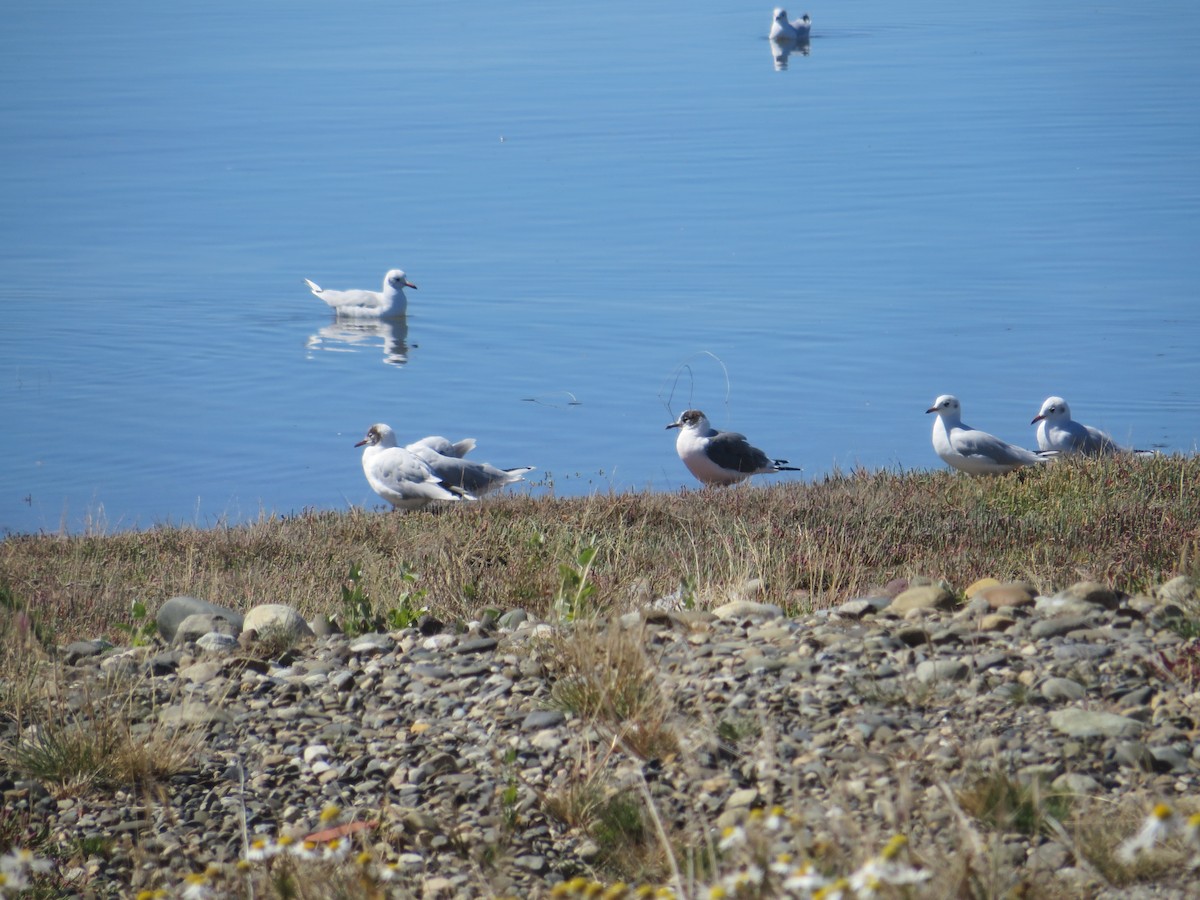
point(574, 588)
point(358, 612)
point(410, 605)
point(141, 628)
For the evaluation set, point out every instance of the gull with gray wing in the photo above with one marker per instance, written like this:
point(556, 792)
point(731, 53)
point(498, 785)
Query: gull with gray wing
point(720, 457)
point(390, 303)
point(398, 475)
point(1057, 431)
point(970, 450)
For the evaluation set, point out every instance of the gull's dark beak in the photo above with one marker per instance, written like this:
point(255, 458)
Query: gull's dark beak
point(931, 409)
point(410, 284)
point(1036, 418)
point(675, 425)
point(363, 441)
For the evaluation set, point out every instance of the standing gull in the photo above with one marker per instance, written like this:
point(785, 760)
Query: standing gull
point(397, 475)
point(972, 451)
point(783, 30)
point(390, 303)
point(719, 457)
point(1056, 430)
point(473, 479)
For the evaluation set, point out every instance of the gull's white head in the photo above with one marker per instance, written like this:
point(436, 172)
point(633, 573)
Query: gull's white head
point(947, 407)
point(781, 16)
point(1055, 409)
point(396, 280)
point(691, 418)
point(379, 435)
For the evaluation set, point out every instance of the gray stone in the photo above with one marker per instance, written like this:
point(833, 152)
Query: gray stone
point(1060, 625)
point(932, 670)
point(193, 713)
point(747, 609)
point(928, 596)
point(543, 718)
point(512, 620)
point(277, 618)
point(1076, 783)
point(1062, 689)
point(373, 642)
point(1086, 723)
point(864, 606)
point(478, 645)
point(173, 611)
point(215, 642)
point(197, 625)
point(1092, 593)
point(80, 650)
point(1182, 589)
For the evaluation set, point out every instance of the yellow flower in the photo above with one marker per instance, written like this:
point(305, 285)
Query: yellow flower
point(330, 812)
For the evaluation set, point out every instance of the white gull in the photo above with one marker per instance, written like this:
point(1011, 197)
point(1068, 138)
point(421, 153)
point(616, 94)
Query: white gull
point(972, 451)
point(783, 30)
point(398, 475)
point(719, 457)
point(1057, 431)
point(390, 303)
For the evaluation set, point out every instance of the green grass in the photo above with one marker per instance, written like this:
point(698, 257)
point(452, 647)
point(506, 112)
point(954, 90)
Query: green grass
point(1130, 523)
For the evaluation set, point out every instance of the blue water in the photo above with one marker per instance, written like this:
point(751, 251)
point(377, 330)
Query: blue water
point(612, 214)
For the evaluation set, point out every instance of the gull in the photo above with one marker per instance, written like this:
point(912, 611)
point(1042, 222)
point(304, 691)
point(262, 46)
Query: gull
point(390, 303)
point(1057, 431)
point(398, 475)
point(472, 479)
point(444, 446)
point(972, 451)
point(783, 30)
point(719, 457)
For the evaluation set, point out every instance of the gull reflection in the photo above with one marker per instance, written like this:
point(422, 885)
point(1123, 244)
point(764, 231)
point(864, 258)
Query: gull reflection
point(352, 335)
point(781, 50)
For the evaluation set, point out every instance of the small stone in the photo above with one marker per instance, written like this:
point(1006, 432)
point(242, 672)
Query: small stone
point(747, 609)
point(931, 670)
point(1059, 625)
point(1090, 723)
point(478, 645)
point(743, 798)
point(197, 625)
point(865, 606)
point(215, 642)
point(1092, 593)
point(1183, 590)
point(373, 642)
point(1062, 689)
point(930, 596)
point(1013, 594)
point(1076, 783)
point(543, 718)
point(976, 586)
point(79, 650)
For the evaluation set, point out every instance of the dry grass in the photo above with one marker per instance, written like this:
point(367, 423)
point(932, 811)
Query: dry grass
point(1128, 522)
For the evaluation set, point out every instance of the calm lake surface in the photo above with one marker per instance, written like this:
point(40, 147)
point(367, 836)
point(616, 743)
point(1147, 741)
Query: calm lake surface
point(613, 214)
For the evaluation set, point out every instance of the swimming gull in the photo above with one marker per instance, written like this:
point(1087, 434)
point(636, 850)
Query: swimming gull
point(445, 446)
point(720, 457)
point(972, 451)
point(1056, 430)
point(473, 479)
point(398, 475)
point(390, 303)
point(783, 30)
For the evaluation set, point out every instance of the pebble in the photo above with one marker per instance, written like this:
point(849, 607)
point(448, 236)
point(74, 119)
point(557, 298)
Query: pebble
point(868, 710)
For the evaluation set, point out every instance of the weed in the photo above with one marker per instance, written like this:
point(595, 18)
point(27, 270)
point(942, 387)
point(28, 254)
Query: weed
point(358, 613)
point(602, 675)
point(409, 605)
point(574, 588)
point(141, 627)
point(1004, 804)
